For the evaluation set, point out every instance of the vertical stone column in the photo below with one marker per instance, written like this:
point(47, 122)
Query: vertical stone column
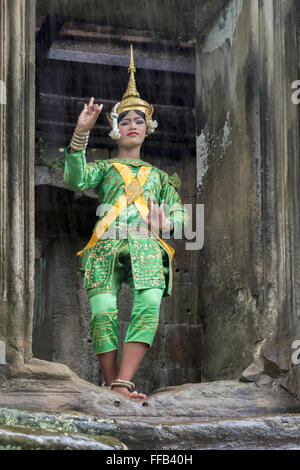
point(17, 108)
point(248, 180)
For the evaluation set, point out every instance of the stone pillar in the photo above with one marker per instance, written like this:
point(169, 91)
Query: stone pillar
point(17, 108)
point(248, 180)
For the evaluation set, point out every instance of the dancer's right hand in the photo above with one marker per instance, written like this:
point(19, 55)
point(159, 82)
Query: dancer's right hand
point(88, 116)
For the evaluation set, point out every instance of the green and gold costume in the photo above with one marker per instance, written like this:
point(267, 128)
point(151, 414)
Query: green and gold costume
point(150, 261)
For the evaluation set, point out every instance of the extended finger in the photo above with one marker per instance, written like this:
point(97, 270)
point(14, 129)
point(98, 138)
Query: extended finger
point(155, 207)
point(98, 108)
point(91, 101)
point(161, 212)
point(146, 219)
point(161, 208)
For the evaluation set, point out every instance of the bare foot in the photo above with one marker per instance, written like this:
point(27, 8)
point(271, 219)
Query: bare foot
point(124, 391)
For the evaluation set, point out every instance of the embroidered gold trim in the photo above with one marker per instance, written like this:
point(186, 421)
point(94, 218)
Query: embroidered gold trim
point(134, 194)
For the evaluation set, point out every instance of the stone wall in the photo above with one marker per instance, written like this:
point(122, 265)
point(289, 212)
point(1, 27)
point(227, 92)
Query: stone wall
point(60, 328)
point(247, 171)
point(17, 58)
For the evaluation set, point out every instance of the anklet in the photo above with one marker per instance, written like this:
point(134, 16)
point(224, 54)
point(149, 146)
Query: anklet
point(123, 383)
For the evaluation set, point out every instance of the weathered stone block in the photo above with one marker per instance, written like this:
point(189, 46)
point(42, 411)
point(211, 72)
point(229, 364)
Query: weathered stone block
point(174, 376)
point(252, 373)
point(182, 306)
point(227, 345)
point(183, 345)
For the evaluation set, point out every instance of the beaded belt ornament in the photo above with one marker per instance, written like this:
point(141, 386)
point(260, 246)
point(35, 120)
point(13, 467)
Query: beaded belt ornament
point(132, 191)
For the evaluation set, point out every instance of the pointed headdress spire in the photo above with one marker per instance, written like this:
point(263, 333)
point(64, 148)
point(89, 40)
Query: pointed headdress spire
point(131, 88)
point(131, 99)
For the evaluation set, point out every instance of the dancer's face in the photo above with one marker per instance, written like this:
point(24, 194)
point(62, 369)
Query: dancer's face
point(133, 130)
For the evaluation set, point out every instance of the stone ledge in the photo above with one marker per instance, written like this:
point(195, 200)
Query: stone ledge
point(212, 415)
point(54, 177)
point(33, 387)
point(40, 369)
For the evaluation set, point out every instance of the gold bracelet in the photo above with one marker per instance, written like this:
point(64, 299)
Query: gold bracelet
point(79, 141)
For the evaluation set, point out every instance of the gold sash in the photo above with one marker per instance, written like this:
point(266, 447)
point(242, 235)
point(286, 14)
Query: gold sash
point(133, 193)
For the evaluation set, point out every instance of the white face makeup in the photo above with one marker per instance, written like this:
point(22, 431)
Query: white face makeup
point(132, 129)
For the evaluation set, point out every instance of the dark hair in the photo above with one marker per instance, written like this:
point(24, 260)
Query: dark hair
point(137, 111)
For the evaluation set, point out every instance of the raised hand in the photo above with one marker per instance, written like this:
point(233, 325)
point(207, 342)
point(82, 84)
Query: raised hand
point(156, 217)
point(88, 116)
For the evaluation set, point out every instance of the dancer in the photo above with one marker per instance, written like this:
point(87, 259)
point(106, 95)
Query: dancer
point(140, 206)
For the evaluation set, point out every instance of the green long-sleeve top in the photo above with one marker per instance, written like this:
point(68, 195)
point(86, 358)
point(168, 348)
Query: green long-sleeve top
point(107, 183)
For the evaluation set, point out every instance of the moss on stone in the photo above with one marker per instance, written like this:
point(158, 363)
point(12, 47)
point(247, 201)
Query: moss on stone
point(62, 426)
point(27, 438)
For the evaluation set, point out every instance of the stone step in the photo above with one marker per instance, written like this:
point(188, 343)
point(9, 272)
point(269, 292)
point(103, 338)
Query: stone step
point(77, 430)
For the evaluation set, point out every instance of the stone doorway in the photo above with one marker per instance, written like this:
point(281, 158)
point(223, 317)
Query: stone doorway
point(75, 59)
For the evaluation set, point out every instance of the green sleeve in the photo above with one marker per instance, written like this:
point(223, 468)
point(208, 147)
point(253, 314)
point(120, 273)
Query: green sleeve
point(79, 174)
point(174, 208)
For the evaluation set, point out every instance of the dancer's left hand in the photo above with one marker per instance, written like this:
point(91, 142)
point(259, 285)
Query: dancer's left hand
point(156, 217)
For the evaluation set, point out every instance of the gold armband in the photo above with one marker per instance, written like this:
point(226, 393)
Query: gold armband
point(79, 141)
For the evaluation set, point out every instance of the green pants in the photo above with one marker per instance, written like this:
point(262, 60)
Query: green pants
point(144, 319)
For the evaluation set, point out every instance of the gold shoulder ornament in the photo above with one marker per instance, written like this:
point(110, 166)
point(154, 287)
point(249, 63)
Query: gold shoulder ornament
point(175, 180)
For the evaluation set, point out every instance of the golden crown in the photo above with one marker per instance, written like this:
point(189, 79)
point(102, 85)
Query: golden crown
point(131, 99)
